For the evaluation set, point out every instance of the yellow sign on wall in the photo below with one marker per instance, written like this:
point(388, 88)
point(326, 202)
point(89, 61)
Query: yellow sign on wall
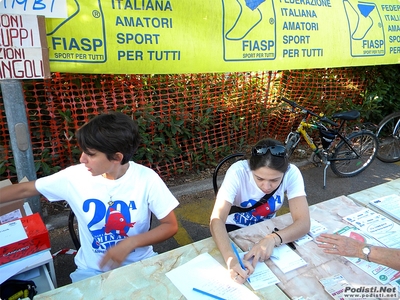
point(200, 36)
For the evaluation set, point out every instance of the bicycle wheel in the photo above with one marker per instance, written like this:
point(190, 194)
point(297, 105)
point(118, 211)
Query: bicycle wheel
point(389, 138)
point(347, 163)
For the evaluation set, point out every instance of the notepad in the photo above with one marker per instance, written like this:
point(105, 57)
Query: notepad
point(389, 204)
point(286, 259)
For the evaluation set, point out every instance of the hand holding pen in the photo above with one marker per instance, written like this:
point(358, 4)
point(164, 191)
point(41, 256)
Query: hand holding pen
point(236, 278)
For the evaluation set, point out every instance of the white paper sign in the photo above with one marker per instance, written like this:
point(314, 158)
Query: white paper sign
point(12, 232)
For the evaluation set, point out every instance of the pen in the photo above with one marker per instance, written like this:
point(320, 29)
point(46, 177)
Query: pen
point(238, 258)
point(207, 294)
point(290, 244)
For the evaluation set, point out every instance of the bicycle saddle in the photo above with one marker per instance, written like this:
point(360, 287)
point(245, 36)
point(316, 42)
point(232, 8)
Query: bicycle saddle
point(347, 115)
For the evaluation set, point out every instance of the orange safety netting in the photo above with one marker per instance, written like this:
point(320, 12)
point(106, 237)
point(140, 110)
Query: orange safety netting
point(188, 121)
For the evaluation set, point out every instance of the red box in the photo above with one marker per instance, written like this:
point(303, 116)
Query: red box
point(38, 240)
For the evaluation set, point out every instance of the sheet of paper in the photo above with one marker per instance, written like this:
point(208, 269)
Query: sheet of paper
point(335, 285)
point(286, 259)
point(11, 216)
point(206, 274)
point(381, 273)
point(12, 232)
point(262, 275)
point(376, 225)
point(389, 204)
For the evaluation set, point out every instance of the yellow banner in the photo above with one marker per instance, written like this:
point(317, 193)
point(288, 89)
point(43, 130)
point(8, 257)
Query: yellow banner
point(200, 36)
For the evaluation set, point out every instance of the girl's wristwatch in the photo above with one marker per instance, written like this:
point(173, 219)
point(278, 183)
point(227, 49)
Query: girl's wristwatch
point(366, 250)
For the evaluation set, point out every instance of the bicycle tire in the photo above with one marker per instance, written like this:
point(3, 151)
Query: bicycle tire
point(388, 135)
point(344, 162)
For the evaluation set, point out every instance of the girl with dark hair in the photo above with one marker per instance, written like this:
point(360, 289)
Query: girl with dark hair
point(253, 190)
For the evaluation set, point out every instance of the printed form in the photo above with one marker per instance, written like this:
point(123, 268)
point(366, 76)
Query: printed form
point(376, 225)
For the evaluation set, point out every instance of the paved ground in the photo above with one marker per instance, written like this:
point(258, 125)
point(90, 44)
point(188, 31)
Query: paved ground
point(196, 202)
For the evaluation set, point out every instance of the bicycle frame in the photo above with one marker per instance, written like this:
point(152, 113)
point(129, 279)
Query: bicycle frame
point(302, 130)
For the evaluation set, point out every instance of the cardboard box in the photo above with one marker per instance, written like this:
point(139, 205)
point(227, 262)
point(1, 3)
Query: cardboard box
point(30, 238)
point(12, 210)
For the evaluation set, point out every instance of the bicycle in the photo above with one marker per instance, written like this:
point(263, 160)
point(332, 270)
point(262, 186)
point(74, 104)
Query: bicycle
point(388, 135)
point(347, 154)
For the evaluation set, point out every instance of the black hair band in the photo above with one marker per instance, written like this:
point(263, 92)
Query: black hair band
point(278, 236)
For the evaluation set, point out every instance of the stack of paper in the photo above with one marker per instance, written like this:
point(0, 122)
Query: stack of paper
point(389, 204)
point(316, 228)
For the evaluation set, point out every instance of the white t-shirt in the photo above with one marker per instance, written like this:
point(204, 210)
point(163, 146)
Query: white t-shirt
point(240, 189)
point(108, 211)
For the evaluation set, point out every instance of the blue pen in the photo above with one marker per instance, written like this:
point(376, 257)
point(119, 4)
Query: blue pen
point(238, 258)
point(207, 294)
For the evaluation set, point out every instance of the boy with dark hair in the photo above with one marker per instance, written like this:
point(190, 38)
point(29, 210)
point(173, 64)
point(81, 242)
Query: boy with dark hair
point(112, 197)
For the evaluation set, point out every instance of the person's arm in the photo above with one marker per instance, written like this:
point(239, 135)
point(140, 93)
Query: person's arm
point(389, 257)
point(221, 238)
point(346, 246)
point(18, 191)
point(167, 228)
point(301, 225)
point(301, 220)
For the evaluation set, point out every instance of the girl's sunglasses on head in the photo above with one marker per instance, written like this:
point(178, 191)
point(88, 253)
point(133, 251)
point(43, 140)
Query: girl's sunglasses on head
point(278, 150)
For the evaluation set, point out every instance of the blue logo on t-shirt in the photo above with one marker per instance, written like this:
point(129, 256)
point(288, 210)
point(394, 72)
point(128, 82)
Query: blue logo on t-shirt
point(264, 211)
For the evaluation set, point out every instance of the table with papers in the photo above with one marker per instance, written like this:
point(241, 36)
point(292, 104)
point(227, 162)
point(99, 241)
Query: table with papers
point(304, 273)
point(148, 278)
point(304, 281)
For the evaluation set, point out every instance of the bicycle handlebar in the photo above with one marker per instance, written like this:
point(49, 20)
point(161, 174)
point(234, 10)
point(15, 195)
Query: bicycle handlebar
point(322, 119)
